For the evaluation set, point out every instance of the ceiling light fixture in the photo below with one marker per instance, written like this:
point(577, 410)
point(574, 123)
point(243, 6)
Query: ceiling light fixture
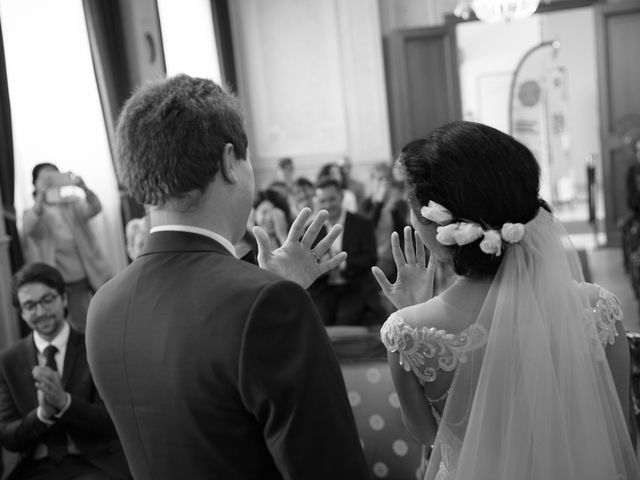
point(492, 11)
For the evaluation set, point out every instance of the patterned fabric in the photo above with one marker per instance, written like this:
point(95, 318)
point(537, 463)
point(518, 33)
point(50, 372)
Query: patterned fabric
point(417, 346)
point(390, 451)
point(608, 311)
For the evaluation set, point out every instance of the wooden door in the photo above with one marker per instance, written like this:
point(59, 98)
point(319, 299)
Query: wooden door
point(618, 40)
point(423, 81)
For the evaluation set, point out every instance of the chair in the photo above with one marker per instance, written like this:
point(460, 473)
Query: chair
point(391, 452)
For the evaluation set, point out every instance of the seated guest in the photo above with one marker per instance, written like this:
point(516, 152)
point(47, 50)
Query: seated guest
point(273, 214)
point(50, 411)
point(56, 231)
point(386, 206)
point(286, 172)
point(302, 195)
point(348, 294)
point(332, 171)
point(350, 183)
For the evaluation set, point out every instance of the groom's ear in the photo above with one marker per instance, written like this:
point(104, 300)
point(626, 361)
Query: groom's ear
point(227, 164)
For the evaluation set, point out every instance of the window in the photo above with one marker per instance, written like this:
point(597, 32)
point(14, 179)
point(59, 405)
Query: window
point(55, 107)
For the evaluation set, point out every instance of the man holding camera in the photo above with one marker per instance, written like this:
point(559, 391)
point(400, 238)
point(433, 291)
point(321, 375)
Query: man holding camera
point(56, 231)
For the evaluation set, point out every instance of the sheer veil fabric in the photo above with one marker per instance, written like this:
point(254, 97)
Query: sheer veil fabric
point(537, 400)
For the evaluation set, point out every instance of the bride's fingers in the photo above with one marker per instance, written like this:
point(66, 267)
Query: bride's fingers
point(396, 251)
point(409, 252)
point(431, 268)
point(384, 283)
point(420, 255)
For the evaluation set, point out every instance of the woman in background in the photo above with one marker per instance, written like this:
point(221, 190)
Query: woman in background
point(272, 212)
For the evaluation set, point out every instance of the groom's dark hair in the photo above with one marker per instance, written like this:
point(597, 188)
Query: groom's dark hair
point(478, 173)
point(171, 135)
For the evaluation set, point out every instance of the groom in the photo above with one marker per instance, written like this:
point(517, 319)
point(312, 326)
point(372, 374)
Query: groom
point(212, 367)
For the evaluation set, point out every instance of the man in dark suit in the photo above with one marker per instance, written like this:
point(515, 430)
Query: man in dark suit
point(50, 411)
point(212, 367)
point(348, 294)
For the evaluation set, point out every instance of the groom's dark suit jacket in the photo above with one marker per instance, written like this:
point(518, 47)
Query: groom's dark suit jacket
point(213, 368)
point(86, 421)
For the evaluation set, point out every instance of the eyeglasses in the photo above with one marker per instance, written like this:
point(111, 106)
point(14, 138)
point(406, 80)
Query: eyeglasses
point(46, 301)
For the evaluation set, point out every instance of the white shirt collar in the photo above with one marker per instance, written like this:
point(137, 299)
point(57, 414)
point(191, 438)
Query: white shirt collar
point(60, 342)
point(199, 231)
point(341, 219)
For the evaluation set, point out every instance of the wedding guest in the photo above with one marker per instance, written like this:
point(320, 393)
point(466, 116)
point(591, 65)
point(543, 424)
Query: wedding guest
point(350, 183)
point(210, 366)
point(520, 369)
point(272, 213)
point(286, 173)
point(302, 195)
point(348, 294)
point(332, 171)
point(57, 232)
point(386, 206)
point(50, 410)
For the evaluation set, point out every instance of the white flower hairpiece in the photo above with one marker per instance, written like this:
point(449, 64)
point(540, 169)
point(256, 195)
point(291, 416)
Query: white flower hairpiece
point(463, 233)
point(491, 243)
point(436, 213)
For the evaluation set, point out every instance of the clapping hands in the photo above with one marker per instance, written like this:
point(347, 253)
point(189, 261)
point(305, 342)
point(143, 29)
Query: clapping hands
point(295, 260)
point(51, 395)
point(414, 281)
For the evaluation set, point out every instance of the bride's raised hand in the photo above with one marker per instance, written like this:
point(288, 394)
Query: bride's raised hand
point(414, 281)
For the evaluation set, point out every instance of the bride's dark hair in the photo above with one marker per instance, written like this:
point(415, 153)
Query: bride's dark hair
point(481, 175)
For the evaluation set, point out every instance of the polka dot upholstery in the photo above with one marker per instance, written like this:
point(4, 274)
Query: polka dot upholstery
point(390, 450)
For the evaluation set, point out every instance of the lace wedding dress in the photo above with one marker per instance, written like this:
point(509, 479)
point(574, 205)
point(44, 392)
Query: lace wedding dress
point(532, 396)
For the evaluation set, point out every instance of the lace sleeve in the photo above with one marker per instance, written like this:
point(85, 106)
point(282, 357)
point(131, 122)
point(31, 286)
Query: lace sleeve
point(425, 350)
point(607, 311)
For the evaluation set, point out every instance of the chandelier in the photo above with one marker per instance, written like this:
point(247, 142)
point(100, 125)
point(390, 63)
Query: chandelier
point(491, 11)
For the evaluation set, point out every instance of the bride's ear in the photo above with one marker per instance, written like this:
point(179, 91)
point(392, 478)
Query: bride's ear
point(227, 164)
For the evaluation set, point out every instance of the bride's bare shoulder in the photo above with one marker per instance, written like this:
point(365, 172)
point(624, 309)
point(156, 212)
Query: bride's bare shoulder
point(438, 314)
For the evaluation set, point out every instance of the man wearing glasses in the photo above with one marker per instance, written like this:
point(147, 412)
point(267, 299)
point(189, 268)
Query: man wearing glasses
point(50, 411)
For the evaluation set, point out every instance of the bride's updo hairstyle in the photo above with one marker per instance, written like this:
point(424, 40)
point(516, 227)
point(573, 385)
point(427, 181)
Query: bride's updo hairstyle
point(478, 173)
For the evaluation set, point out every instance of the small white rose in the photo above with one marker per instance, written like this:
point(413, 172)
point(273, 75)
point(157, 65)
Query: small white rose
point(492, 243)
point(467, 233)
point(447, 234)
point(512, 232)
point(436, 213)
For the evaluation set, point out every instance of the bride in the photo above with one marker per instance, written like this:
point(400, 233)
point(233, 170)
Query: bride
point(520, 369)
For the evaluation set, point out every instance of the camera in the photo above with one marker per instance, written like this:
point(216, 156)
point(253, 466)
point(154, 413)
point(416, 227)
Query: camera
point(62, 188)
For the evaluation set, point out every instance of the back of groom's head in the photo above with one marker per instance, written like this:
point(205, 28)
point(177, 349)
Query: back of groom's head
point(171, 135)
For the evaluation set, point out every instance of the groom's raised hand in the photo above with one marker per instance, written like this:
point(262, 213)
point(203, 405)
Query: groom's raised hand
point(295, 260)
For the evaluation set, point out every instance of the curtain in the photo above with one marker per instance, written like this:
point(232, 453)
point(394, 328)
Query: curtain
point(6, 166)
point(222, 30)
point(11, 258)
point(113, 76)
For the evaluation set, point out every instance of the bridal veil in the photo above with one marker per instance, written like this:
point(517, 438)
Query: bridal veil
point(537, 401)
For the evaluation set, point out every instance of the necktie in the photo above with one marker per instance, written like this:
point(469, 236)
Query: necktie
point(56, 439)
point(50, 356)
